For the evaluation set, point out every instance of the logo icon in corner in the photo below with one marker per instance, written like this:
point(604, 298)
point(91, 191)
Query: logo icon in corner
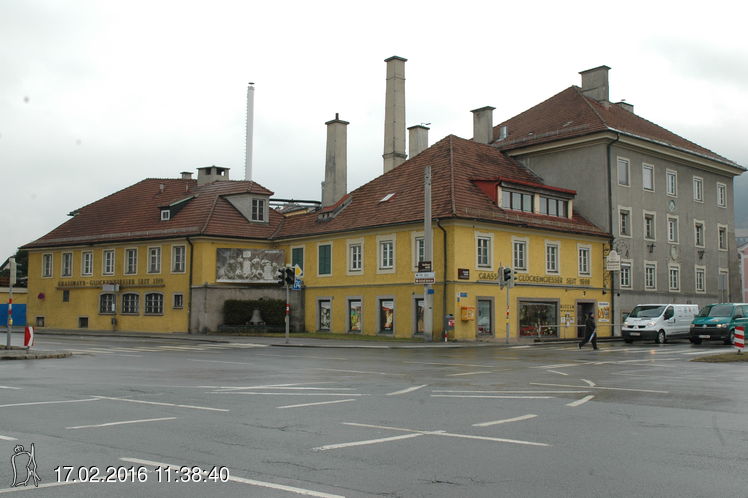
point(20, 459)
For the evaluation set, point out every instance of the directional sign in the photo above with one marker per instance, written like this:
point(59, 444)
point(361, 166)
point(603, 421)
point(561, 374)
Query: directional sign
point(296, 284)
point(425, 277)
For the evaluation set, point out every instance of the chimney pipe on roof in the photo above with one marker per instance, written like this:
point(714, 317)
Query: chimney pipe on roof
point(210, 174)
point(483, 125)
point(335, 185)
point(250, 132)
point(186, 175)
point(394, 114)
point(418, 139)
point(595, 83)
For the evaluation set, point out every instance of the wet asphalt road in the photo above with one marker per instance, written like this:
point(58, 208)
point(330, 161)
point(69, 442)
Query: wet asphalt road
point(550, 420)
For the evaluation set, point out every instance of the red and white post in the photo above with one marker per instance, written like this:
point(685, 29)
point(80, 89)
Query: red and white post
point(28, 336)
point(740, 339)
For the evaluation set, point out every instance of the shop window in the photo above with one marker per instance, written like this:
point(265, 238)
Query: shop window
point(538, 319)
point(106, 304)
point(130, 303)
point(354, 315)
point(484, 320)
point(419, 310)
point(324, 314)
point(386, 316)
point(154, 304)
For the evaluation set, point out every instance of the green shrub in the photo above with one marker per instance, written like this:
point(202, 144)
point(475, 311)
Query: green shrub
point(236, 312)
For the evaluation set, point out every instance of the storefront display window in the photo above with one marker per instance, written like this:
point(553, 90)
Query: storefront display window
point(419, 309)
point(325, 314)
point(386, 315)
point(485, 317)
point(354, 315)
point(538, 319)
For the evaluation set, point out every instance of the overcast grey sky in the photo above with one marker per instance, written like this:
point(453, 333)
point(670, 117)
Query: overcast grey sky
point(97, 95)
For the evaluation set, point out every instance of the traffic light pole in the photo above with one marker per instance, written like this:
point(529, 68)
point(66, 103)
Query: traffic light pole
point(288, 312)
point(507, 313)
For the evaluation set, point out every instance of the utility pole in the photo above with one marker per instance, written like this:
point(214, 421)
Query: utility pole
point(428, 252)
point(12, 264)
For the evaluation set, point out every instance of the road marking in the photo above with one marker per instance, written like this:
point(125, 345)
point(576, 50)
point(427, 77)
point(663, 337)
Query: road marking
point(47, 485)
point(108, 424)
point(363, 443)
point(702, 352)
point(488, 396)
point(448, 434)
point(591, 384)
point(160, 403)
point(288, 394)
point(302, 356)
point(353, 371)
point(318, 403)
point(580, 401)
point(506, 420)
point(608, 388)
point(9, 387)
point(560, 365)
point(520, 347)
point(469, 373)
point(8, 438)
point(266, 386)
point(557, 372)
point(283, 388)
point(584, 390)
point(220, 361)
point(51, 402)
point(408, 390)
point(281, 487)
point(447, 364)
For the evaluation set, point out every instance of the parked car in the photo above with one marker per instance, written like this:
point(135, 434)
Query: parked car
point(717, 322)
point(658, 322)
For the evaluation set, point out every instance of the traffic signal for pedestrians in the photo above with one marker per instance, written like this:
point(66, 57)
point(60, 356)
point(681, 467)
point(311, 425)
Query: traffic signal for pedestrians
point(281, 276)
point(289, 276)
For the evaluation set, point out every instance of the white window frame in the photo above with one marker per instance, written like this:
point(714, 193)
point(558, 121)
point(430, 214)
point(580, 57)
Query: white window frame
point(520, 265)
point(258, 209)
point(671, 180)
point(651, 169)
point(178, 264)
point(177, 296)
point(386, 251)
point(623, 162)
point(160, 311)
point(355, 267)
point(136, 299)
point(722, 243)
point(673, 237)
point(698, 189)
point(650, 265)
point(483, 256)
point(107, 262)
point(696, 225)
point(584, 259)
point(721, 195)
point(699, 270)
point(154, 264)
point(126, 266)
point(654, 225)
point(111, 301)
point(673, 277)
point(628, 283)
point(417, 243)
point(552, 257)
point(48, 264)
point(66, 264)
point(627, 210)
point(87, 263)
point(165, 215)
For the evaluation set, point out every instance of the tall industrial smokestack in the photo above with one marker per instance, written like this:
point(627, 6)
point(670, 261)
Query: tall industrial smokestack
point(250, 125)
point(394, 114)
point(336, 162)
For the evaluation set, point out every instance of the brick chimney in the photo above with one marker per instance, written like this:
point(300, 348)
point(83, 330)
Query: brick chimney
point(394, 114)
point(335, 185)
point(483, 125)
point(595, 83)
point(418, 139)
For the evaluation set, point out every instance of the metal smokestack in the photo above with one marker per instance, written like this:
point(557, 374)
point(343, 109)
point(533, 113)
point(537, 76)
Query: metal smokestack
point(250, 125)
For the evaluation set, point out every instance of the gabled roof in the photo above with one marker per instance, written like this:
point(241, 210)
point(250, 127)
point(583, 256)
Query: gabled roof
point(571, 114)
point(134, 214)
point(457, 167)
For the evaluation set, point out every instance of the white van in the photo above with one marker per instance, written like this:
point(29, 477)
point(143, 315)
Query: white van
point(659, 322)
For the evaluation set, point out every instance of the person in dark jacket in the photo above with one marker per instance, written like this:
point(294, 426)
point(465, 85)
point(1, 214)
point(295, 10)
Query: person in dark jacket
point(589, 331)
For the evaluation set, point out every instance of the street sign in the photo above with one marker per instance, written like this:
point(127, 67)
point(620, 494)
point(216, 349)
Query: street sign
point(296, 284)
point(424, 266)
point(613, 261)
point(425, 277)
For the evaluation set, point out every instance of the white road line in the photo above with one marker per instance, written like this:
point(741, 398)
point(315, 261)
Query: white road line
point(580, 401)
point(281, 487)
point(405, 391)
point(318, 403)
point(281, 388)
point(608, 388)
point(266, 386)
point(447, 364)
point(506, 420)
point(520, 347)
point(560, 365)
point(584, 390)
point(488, 396)
point(469, 373)
point(219, 361)
point(702, 352)
point(363, 443)
point(352, 371)
point(302, 356)
point(50, 402)
point(591, 384)
point(108, 424)
point(160, 403)
point(557, 372)
point(288, 394)
point(448, 434)
point(9, 387)
point(8, 438)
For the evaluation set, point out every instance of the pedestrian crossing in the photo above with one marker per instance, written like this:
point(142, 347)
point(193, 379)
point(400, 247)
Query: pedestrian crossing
point(167, 347)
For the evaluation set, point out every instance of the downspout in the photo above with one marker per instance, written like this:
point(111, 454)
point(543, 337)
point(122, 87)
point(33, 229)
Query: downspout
point(444, 269)
point(189, 304)
point(610, 227)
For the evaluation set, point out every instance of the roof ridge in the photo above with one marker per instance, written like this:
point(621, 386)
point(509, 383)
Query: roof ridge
point(588, 102)
point(210, 215)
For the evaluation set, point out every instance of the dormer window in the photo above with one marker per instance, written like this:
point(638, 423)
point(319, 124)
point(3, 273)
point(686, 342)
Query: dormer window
point(258, 210)
point(517, 201)
point(165, 215)
point(553, 207)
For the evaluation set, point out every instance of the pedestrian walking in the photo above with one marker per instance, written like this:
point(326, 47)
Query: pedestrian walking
point(589, 331)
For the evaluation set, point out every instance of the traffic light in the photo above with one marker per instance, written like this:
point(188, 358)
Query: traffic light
point(289, 276)
point(508, 277)
point(281, 276)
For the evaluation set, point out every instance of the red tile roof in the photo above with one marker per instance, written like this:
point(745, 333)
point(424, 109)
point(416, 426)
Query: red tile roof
point(134, 214)
point(571, 114)
point(456, 167)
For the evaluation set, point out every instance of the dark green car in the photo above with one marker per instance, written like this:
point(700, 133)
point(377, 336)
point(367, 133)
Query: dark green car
point(717, 322)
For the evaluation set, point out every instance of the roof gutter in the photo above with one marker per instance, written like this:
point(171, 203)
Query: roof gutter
point(610, 227)
point(444, 270)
